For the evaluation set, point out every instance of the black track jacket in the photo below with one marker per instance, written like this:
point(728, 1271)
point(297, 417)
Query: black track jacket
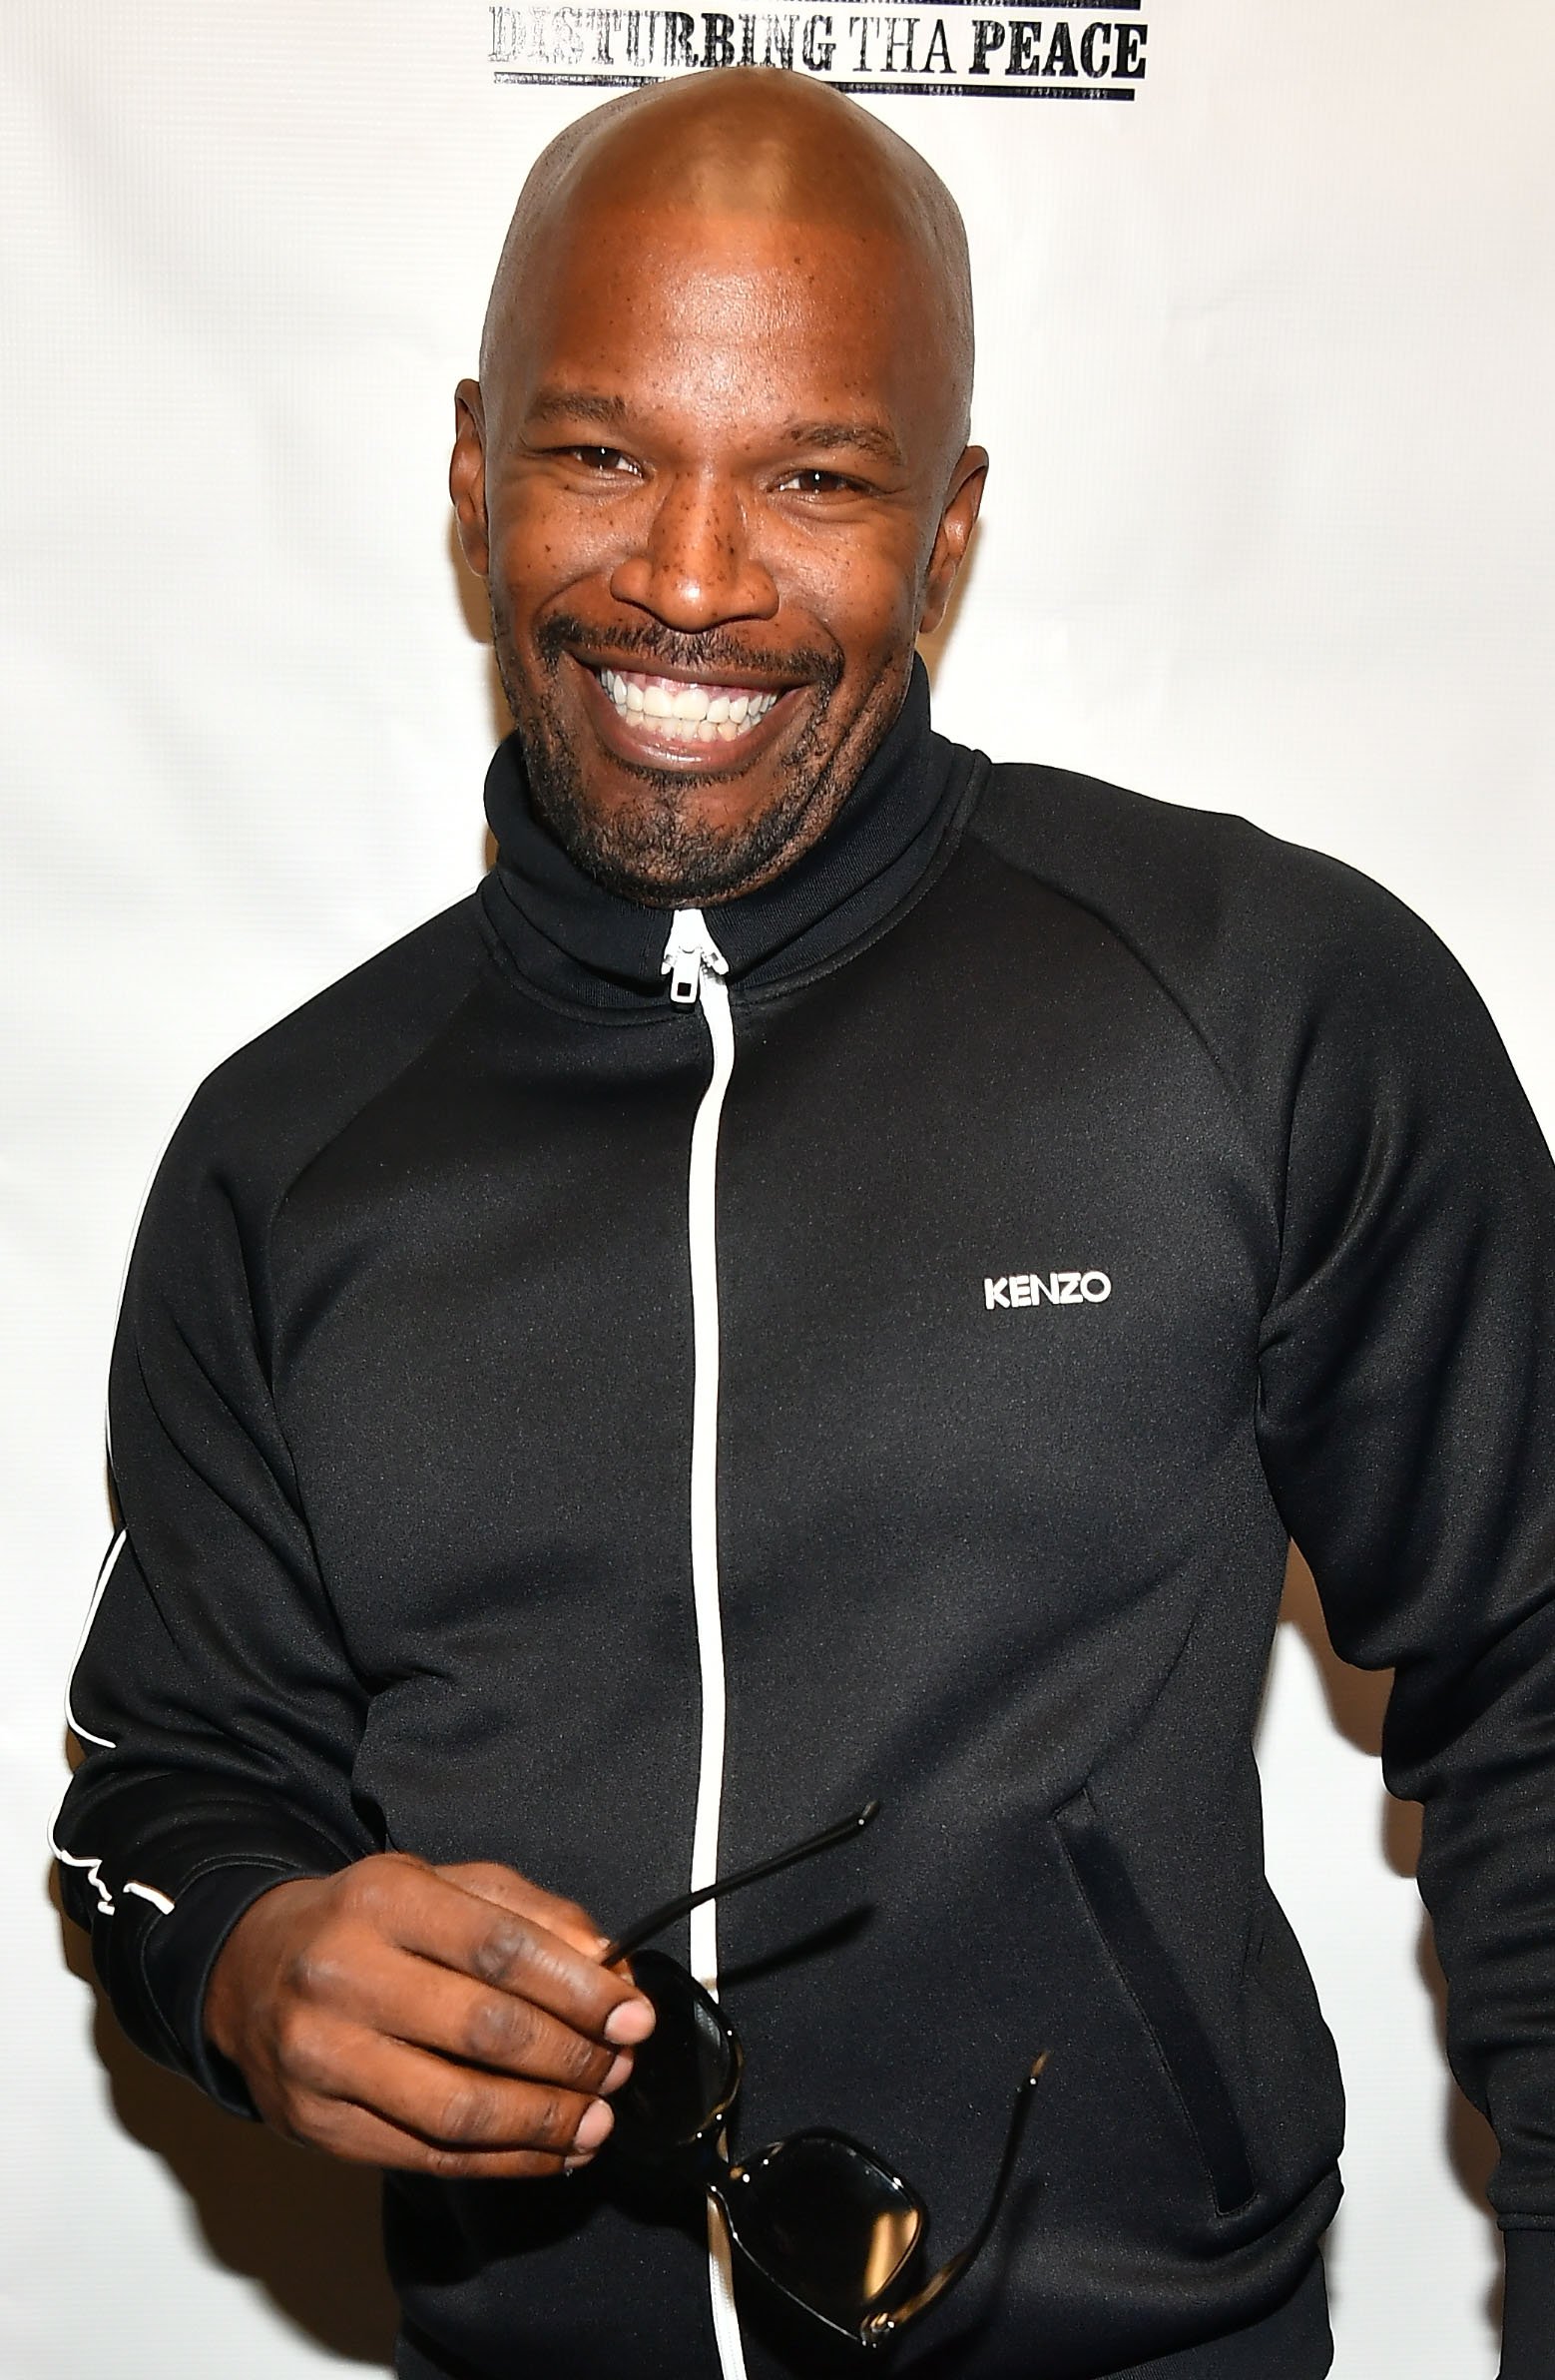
point(1062, 1200)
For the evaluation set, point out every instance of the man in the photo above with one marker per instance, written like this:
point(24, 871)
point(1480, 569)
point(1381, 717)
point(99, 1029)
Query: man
point(833, 1277)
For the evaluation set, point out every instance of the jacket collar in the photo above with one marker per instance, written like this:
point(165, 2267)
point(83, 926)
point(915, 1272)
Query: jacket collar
point(574, 939)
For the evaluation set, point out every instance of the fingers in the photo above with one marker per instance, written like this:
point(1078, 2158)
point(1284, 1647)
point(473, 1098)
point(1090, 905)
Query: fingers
point(510, 1949)
point(512, 1891)
point(415, 2110)
point(453, 2021)
point(477, 2025)
point(633, 2021)
point(362, 2138)
point(345, 2129)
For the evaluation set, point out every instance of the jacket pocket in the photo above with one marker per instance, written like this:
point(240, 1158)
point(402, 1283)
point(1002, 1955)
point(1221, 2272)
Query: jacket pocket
point(1174, 2025)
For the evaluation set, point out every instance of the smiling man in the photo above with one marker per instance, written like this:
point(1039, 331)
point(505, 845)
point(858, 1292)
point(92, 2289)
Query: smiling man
point(716, 472)
point(833, 1277)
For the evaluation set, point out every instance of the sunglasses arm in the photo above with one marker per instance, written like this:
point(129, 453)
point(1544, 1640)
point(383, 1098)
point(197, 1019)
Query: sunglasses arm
point(656, 1920)
point(880, 2328)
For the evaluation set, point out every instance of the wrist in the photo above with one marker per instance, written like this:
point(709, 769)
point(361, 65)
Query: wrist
point(229, 1996)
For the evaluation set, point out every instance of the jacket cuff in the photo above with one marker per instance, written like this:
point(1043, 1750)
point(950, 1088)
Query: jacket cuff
point(1528, 2325)
point(177, 1953)
point(162, 1900)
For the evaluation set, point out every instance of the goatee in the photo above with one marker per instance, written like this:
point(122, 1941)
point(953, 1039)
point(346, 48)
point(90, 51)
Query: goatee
point(655, 851)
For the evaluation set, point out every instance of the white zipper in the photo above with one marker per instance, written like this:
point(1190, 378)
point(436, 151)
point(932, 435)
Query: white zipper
point(696, 968)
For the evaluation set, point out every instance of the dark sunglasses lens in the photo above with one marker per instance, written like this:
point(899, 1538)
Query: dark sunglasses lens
point(685, 2073)
point(826, 2222)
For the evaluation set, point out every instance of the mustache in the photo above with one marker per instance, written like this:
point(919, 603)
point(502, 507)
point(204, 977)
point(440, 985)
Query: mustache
point(710, 655)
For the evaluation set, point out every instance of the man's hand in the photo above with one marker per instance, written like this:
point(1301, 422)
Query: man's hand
point(453, 2021)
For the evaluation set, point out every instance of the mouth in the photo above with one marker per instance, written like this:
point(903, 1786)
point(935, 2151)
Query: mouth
point(686, 718)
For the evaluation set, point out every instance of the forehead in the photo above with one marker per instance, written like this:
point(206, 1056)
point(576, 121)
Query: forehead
point(721, 314)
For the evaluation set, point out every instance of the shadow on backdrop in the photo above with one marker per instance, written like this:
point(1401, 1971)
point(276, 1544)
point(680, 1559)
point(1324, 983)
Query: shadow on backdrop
point(1357, 1700)
point(300, 2225)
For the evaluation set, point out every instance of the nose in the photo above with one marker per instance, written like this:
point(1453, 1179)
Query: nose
point(695, 568)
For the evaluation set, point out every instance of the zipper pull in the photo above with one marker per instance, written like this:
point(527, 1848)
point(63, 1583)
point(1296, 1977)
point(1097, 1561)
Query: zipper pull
point(689, 954)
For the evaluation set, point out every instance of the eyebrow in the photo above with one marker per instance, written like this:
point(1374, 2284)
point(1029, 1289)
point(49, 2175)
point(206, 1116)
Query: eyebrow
point(578, 404)
point(862, 437)
point(613, 413)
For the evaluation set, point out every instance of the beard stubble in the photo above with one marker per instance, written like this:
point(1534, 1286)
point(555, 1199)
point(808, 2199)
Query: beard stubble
point(654, 849)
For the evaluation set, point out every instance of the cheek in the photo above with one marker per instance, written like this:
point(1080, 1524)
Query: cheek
point(877, 623)
point(542, 547)
point(864, 593)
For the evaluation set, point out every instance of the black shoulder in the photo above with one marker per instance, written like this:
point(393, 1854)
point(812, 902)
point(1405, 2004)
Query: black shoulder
point(1200, 893)
point(1189, 881)
point(262, 1114)
point(1268, 948)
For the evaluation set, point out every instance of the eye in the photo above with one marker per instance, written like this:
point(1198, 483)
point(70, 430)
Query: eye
point(605, 460)
point(814, 481)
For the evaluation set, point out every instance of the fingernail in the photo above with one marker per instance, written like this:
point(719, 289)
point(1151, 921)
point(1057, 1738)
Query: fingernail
point(595, 2128)
point(628, 2024)
point(620, 2068)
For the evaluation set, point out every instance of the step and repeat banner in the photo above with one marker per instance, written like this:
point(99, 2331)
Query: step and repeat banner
point(1266, 361)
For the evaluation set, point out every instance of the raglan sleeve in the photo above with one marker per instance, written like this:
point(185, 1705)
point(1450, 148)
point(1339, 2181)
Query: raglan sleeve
point(213, 1703)
point(1406, 1421)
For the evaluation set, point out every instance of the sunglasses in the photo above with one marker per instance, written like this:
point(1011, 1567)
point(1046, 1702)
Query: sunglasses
point(820, 2215)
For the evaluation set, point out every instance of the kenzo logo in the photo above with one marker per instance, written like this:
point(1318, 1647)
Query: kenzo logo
point(1045, 1289)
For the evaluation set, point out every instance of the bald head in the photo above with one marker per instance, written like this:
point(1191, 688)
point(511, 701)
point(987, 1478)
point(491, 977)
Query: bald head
point(746, 142)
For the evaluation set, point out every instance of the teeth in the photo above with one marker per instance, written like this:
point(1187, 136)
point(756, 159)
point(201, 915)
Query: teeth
point(691, 714)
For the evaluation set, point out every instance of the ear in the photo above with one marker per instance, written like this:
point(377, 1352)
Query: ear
point(467, 475)
point(962, 506)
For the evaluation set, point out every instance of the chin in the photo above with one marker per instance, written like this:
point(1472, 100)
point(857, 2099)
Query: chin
point(654, 842)
point(665, 838)
point(657, 854)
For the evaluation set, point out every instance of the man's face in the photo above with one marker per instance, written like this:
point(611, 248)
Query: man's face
point(714, 490)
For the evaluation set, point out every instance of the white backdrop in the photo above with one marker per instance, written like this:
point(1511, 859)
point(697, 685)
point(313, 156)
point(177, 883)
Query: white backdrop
point(1267, 375)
